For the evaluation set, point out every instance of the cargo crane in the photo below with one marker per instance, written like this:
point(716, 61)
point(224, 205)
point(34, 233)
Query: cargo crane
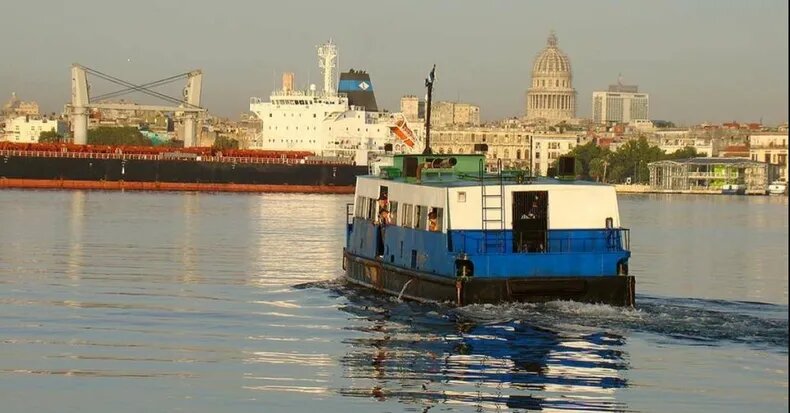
point(187, 107)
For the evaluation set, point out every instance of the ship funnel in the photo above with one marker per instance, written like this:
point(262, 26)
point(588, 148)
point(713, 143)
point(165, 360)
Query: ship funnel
point(357, 86)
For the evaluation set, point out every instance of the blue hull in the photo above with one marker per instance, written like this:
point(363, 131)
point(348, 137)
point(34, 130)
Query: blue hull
point(405, 283)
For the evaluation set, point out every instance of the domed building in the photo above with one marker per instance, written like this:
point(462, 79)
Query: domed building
point(551, 95)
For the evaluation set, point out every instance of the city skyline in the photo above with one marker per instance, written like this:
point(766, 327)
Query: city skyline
point(702, 61)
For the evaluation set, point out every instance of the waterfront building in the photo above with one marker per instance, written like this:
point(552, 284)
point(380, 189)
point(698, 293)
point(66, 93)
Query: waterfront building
point(27, 129)
point(412, 108)
point(16, 107)
point(673, 140)
point(515, 147)
point(443, 113)
point(709, 174)
point(511, 145)
point(770, 148)
point(547, 148)
point(551, 96)
point(620, 104)
point(454, 114)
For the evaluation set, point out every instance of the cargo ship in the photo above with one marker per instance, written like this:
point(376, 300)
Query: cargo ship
point(310, 141)
point(187, 169)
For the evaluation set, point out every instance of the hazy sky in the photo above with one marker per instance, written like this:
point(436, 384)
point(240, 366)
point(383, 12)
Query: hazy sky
point(706, 60)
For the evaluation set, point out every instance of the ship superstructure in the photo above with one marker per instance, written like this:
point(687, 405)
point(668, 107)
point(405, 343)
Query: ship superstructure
point(342, 122)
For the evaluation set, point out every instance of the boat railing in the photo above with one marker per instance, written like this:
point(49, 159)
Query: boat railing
point(557, 241)
point(160, 157)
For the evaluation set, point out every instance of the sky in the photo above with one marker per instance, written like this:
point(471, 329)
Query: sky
point(700, 61)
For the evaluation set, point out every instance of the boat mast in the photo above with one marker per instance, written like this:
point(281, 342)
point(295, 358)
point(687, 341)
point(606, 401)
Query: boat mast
point(327, 55)
point(429, 84)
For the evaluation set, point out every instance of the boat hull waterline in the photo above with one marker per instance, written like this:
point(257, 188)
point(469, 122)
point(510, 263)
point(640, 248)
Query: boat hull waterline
point(420, 286)
point(54, 172)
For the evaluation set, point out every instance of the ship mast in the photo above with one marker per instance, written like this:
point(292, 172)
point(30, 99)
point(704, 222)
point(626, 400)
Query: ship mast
point(429, 84)
point(327, 54)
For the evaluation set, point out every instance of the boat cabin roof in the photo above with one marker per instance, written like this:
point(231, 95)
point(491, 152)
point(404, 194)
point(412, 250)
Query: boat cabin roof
point(461, 170)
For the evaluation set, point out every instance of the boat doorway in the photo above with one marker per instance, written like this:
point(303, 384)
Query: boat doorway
point(530, 220)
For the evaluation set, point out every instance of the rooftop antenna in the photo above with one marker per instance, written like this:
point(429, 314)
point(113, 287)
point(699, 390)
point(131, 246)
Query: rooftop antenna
point(429, 84)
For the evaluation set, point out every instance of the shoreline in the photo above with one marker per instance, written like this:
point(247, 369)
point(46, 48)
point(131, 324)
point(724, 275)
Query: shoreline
point(645, 189)
point(15, 183)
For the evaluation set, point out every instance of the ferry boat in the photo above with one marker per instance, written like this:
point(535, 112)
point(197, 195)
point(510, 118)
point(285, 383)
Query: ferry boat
point(439, 228)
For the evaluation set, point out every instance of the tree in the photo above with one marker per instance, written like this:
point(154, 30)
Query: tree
point(117, 136)
point(685, 153)
point(49, 136)
point(584, 154)
point(631, 159)
point(597, 169)
point(222, 142)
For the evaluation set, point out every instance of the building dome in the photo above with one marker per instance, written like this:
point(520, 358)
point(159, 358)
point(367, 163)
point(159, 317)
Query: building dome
point(551, 95)
point(551, 60)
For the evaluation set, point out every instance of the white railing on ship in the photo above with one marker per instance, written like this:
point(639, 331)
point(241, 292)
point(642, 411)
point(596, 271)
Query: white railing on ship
point(138, 156)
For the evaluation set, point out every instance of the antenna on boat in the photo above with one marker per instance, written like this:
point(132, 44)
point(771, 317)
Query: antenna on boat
point(429, 84)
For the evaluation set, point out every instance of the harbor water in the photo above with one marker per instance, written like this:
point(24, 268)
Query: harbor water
point(199, 302)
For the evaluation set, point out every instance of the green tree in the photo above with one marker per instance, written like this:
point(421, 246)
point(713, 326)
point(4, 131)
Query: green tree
point(117, 136)
point(50, 136)
point(222, 142)
point(597, 169)
point(631, 159)
point(685, 153)
point(584, 154)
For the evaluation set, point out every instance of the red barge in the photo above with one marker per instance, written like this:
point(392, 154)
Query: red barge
point(67, 166)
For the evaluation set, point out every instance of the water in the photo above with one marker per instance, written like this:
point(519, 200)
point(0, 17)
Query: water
point(133, 302)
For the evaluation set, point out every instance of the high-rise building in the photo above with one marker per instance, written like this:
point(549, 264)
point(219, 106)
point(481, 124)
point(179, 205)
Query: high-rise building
point(551, 95)
point(620, 104)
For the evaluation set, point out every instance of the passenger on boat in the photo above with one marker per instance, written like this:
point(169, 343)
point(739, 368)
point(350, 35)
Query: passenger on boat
point(384, 217)
point(533, 211)
point(384, 220)
point(383, 202)
point(433, 224)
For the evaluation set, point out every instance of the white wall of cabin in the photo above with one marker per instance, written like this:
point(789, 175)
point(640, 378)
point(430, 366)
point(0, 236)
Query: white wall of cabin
point(403, 193)
point(570, 206)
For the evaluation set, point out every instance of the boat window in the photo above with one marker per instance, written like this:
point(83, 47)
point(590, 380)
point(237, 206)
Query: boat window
point(407, 215)
point(373, 210)
point(421, 217)
point(394, 212)
point(359, 207)
point(462, 196)
point(435, 219)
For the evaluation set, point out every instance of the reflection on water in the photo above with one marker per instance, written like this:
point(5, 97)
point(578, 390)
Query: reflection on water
point(76, 222)
point(414, 355)
point(137, 301)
